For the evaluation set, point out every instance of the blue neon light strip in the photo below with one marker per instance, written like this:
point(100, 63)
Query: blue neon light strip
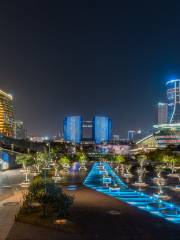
point(172, 81)
point(151, 204)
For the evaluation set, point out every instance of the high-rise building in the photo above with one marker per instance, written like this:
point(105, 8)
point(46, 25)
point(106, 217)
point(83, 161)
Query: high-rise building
point(115, 137)
point(131, 135)
point(162, 113)
point(73, 129)
point(173, 96)
point(87, 130)
point(101, 129)
point(6, 114)
point(19, 130)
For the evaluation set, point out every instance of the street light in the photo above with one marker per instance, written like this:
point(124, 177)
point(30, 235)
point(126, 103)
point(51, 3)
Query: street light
point(49, 150)
point(46, 168)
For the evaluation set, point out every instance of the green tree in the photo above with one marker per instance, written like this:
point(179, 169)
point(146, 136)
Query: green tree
point(81, 157)
point(64, 161)
point(159, 169)
point(119, 160)
point(25, 160)
point(51, 198)
point(171, 162)
point(108, 157)
point(53, 154)
point(40, 160)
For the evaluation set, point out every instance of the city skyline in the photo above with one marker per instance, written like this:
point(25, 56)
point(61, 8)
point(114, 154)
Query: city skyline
point(88, 58)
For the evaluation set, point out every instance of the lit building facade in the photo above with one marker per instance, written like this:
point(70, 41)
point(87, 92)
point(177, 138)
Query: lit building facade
point(131, 135)
point(162, 113)
point(73, 129)
point(173, 96)
point(6, 114)
point(167, 134)
point(101, 129)
point(19, 130)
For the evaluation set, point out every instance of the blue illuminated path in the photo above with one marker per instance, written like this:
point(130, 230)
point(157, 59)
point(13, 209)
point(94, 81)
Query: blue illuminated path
point(102, 177)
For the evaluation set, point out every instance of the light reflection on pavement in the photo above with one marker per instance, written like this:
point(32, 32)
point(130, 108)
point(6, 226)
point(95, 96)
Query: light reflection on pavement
point(9, 181)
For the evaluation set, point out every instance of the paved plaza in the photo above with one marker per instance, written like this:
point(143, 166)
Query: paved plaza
point(101, 217)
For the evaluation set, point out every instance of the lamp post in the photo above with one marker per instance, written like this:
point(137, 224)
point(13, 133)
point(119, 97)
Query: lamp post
point(49, 153)
point(46, 168)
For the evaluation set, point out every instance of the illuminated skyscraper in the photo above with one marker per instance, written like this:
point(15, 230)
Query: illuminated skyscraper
point(173, 96)
point(162, 113)
point(6, 114)
point(73, 129)
point(101, 129)
point(131, 135)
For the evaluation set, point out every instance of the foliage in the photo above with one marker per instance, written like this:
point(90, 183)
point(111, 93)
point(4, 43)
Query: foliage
point(159, 169)
point(141, 158)
point(170, 161)
point(108, 157)
point(49, 195)
point(119, 159)
point(25, 160)
point(40, 160)
point(64, 161)
point(156, 155)
point(81, 157)
point(53, 154)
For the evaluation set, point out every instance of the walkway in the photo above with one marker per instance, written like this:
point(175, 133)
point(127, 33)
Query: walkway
point(9, 199)
point(8, 209)
point(102, 217)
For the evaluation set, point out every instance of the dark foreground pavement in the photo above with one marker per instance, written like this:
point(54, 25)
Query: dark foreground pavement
point(102, 217)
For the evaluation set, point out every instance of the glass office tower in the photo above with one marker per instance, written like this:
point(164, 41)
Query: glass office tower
point(101, 129)
point(162, 113)
point(73, 129)
point(173, 96)
point(6, 114)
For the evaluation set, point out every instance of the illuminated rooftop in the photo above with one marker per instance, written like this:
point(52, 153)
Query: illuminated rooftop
point(162, 104)
point(171, 81)
point(6, 95)
point(170, 125)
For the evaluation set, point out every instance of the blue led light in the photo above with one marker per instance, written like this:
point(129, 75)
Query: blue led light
point(171, 81)
point(121, 191)
point(101, 129)
point(73, 129)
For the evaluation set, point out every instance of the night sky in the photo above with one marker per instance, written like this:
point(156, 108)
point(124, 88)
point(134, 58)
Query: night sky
point(88, 57)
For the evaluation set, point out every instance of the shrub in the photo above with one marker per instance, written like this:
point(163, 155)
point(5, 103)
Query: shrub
point(50, 196)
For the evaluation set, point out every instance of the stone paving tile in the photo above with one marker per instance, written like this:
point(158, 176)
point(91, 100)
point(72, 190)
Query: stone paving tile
point(7, 213)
